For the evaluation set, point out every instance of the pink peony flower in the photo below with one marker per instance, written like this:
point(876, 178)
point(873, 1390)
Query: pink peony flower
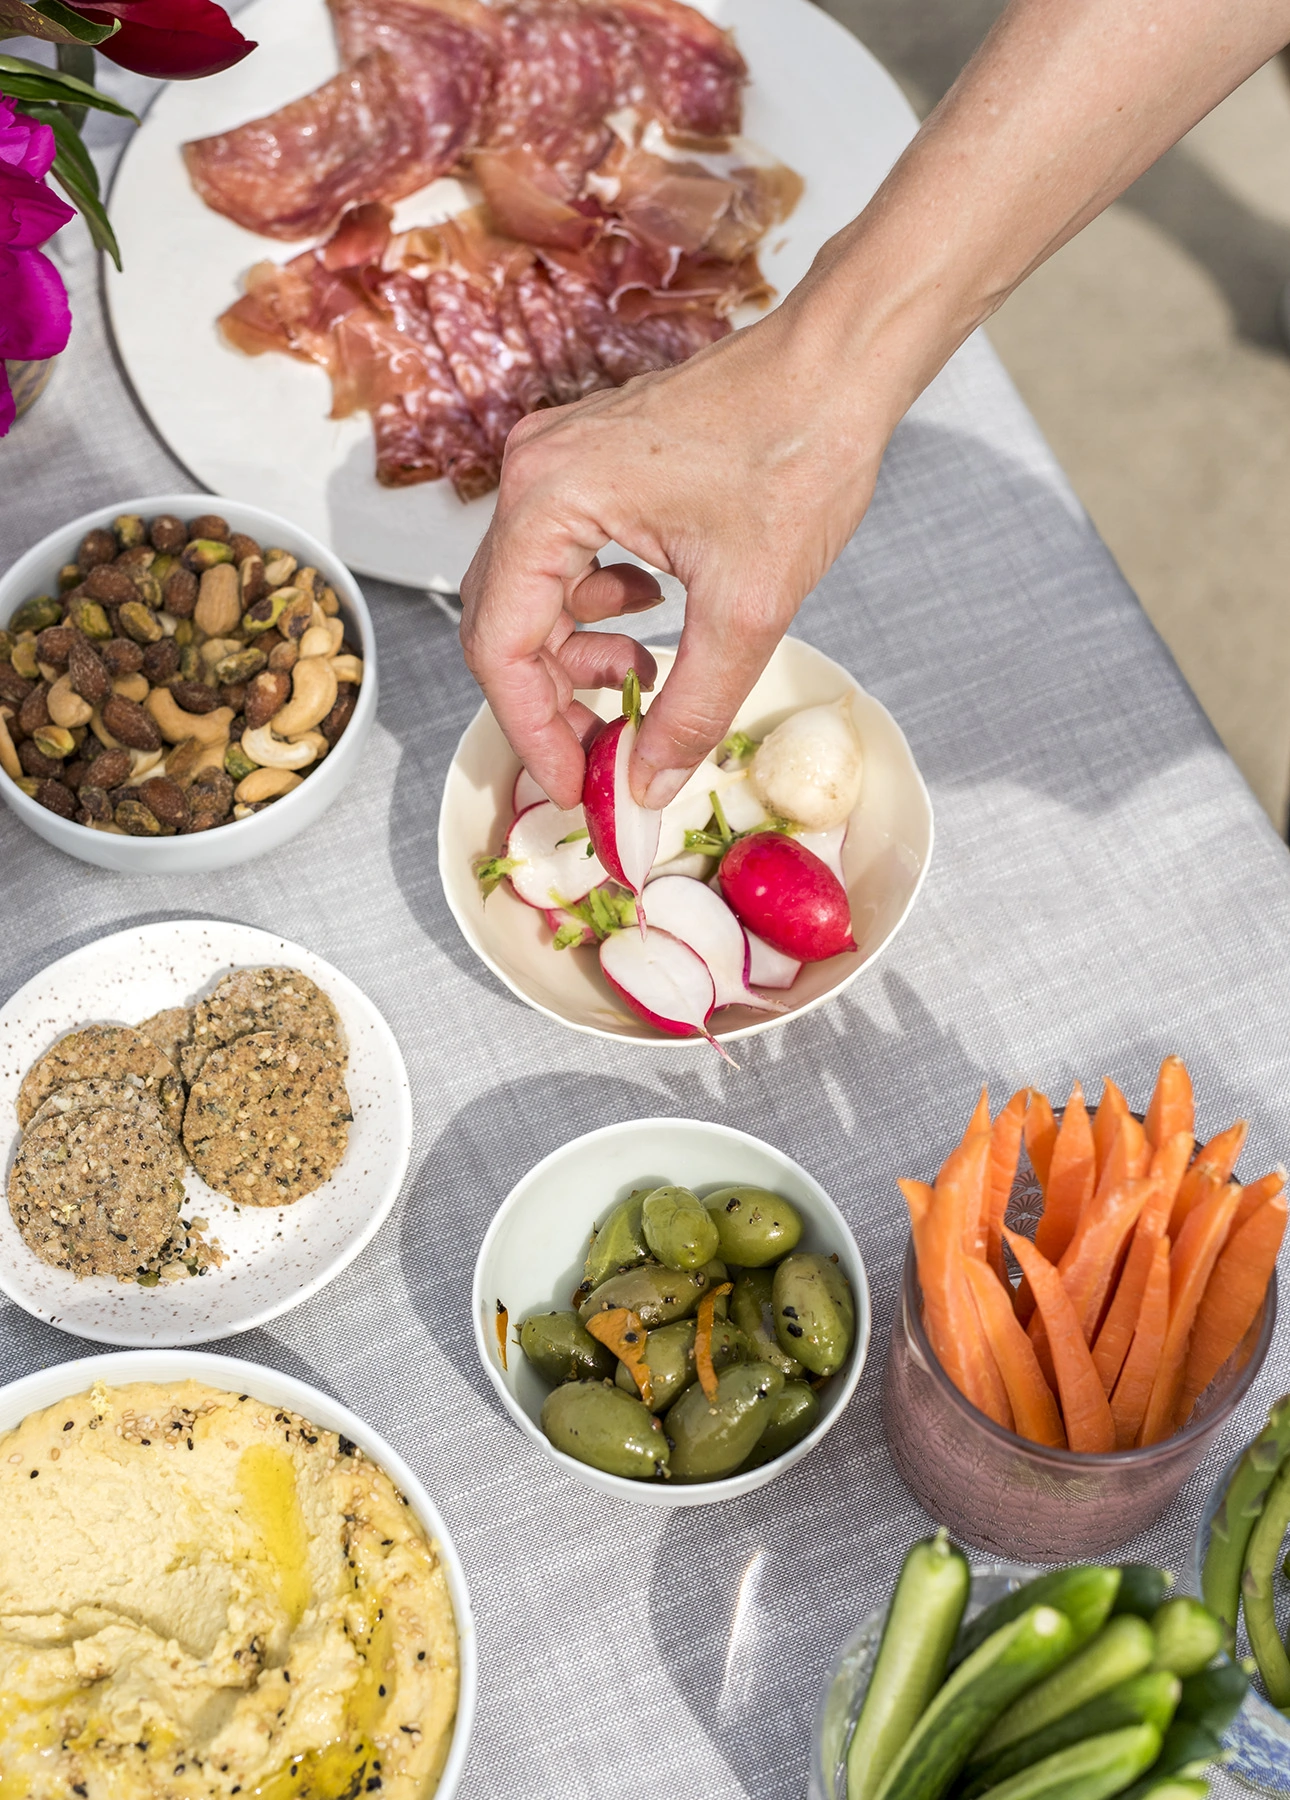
point(35, 319)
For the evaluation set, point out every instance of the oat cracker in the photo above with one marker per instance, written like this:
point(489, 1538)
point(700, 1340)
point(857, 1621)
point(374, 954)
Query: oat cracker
point(110, 1052)
point(267, 1118)
point(97, 1193)
point(272, 999)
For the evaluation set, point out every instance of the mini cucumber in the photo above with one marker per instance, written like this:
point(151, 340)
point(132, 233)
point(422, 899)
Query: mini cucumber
point(1186, 1752)
point(1149, 1699)
point(1123, 1648)
point(1010, 1660)
point(1188, 1636)
point(1214, 1697)
point(1143, 1590)
point(1093, 1770)
point(1085, 1593)
point(925, 1613)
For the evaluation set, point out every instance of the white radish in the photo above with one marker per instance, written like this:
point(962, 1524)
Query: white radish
point(697, 864)
point(692, 807)
point(662, 980)
point(811, 768)
point(624, 834)
point(548, 858)
point(525, 793)
point(700, 918)
point(767, 966)
point(743, 810)
point(827, 845)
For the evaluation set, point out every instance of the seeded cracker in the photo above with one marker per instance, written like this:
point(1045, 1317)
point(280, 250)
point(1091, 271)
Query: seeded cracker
point(97, 1193)
point(109, 1052)
point(273, 999)
point(170, 1031)
point(267, 1119)
point(130, 1095)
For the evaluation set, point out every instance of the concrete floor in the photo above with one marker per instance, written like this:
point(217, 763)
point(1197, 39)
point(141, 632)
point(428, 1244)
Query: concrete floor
point(1149, 351)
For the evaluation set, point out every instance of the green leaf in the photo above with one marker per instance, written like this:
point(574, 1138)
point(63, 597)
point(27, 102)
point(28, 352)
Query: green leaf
point(24, 80)
point(76, 60)
point(76, 175)
point(52, 22)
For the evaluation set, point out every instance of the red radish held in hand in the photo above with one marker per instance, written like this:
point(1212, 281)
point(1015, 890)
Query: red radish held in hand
point(692, 912)
point(781, 890)
point(767, 967)
point(547, 860)
point(525, 793)
point(624, 835)
point(662, 980)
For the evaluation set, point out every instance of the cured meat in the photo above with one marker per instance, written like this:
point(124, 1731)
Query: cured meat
point(564, 66)
point(446, 52)
point(568, 361)
point(692, 73)
point(470, 329)
point(529, 199)
point(622, 348)
point(363, 135)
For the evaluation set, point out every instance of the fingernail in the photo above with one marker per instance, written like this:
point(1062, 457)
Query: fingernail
point(665, 786)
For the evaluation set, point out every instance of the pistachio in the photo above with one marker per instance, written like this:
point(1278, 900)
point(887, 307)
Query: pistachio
point(242, 811)
point(179, 592)
point(175, 724)
point(184, 633)
point(138, 557)
point(8, 754)
point(279, 566)
point(131, 725)
point(190, 663)
point(97, 546)
point(212, 791)
point(240, 666)
point(237, 763)
point(194, 696)
point(216, 648)
point(88, 616)
point(68, 577)
point(168, 533)
point(6, 646)
point(138, 622)
point(130, 530)
point(28, 784)
point(272, 752)
point(131, 687)
point(96, 808)
point(110, 584)
point(136, 819)
point(54, 740)
point(205, 553)
point(250, 575)
point(25, 660)
point(313, 694)
point(66, 706)
point(296, 615)
point(148, 589)
point(56, 797)
point(266, 784)
point(265, 613)
point(162, 565)
point(219, 602)
point(35, 615)
point(322, 640)
point(111, 769)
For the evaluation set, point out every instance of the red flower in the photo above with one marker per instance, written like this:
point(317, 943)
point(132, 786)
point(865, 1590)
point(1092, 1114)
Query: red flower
point(173, 39)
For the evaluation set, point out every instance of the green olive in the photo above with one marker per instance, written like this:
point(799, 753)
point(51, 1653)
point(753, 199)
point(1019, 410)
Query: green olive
point(669, 1356)
point(657, 1295)
point(815, 1311)
point(678, 1228)
point(754, 1227)
point(602, 1426)
point(751, 1309)
point(793, 1415)
point(561, 1349)
point(619, 1243)
point(711, 1438)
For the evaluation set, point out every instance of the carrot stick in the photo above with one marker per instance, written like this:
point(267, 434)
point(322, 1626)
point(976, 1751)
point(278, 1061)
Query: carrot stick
point(1087, 1416)
point(1233, 1295)
point(1191, 1263)
point(1005, 1152)
point(1071, 1176)
point(1112, 1108)
point(1219, 1158)
point(1116, 1334)
point(1041, 1135)
point(1133, 1389)
point(1253, 1196)
point(1034, 1411)
point(1168, 1166)
point(974, 1214)
point(1127, 1155)
point(918, 1197)
point(1171, 1108)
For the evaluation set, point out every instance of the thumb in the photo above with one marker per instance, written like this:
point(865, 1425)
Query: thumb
point(723, 649)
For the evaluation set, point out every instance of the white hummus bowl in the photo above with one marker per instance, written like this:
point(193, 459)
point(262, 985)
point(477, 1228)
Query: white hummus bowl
point(232, 1374)
point(241, 839)
point(532, 1255)
point(884, 860)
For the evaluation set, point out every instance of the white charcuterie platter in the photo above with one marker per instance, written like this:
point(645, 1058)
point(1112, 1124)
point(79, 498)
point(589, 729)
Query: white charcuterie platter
point(256, 428)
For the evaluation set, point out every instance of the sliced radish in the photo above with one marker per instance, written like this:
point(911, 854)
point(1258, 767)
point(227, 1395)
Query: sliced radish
point(547, 860)
point(827, 845)
point(624, 834)
point(700, 918)
point(767, 967)
point(697, 864)
point(525, 793)
point(662, 980)
point(781, 890)
point(571, 931)
point(692, 807)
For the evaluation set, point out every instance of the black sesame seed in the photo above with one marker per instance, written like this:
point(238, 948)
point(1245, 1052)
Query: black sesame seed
point(346, 1447)
point(34, 1474)
point(69, 1425)
point(421, 1655)
point(796, 1331)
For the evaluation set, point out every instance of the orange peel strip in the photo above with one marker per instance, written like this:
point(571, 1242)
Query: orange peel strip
point(703, 1339)
point(620, 1329)
point(503, 1321)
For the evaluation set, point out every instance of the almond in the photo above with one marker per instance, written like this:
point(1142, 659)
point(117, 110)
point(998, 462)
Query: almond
point(130, 724)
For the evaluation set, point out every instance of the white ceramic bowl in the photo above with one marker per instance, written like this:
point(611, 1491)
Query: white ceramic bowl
point(885, 859)
point(232, 1374)
point(278, 1256)
point(532, 1255)
point(221, 847)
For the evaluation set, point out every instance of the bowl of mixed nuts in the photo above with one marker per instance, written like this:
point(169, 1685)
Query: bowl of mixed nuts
point(185, 683)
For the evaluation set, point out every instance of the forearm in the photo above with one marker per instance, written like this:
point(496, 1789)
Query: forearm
point(1064, 105)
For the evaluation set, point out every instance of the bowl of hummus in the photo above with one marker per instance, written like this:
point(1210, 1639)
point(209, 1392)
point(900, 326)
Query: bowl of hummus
point(216, 1580)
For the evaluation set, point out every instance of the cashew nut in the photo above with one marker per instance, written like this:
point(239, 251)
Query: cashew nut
point(8, 755)
point(323, 640)
point(271, 753)
point(168, 622)
point(48, 672)
point(175, 724)
point(316, 738)
point(143, 763)
point(130, 687)
point(65, 705)
point(212, 757)
point(219, 600)
point(313, 694)
point(265, 784)
point(348, 668)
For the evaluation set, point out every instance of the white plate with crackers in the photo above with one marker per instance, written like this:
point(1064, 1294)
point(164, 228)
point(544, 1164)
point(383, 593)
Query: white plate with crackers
point(254, 1259)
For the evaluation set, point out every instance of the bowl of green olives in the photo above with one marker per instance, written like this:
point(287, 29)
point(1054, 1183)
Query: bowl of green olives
point(673, 1310)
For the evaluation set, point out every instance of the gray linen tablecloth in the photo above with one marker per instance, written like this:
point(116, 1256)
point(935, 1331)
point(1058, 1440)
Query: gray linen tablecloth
point(1105, 889)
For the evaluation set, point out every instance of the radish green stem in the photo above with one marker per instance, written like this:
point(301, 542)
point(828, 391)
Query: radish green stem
point(632, 698)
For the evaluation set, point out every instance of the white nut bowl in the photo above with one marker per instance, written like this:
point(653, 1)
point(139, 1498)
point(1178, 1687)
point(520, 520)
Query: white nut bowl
point(37, 572)
point(532, 1255)
point(47, 1386)
point(885, 859)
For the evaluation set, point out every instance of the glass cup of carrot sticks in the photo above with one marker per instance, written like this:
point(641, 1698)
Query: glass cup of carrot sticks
point(1086, 1298)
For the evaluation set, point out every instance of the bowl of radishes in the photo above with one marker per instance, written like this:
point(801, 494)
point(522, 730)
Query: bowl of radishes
point(783, 868)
